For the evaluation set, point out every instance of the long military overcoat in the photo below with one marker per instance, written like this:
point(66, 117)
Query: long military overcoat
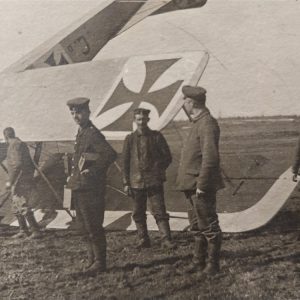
point(200, 162)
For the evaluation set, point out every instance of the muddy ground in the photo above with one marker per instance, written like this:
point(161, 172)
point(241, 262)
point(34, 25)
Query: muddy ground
point(262, 264)
point(258, 265)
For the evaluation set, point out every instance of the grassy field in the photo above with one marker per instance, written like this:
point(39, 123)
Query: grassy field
point(262, 264)
point(258, 265)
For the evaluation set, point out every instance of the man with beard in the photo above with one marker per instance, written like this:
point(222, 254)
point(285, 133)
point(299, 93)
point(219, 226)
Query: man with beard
point(93, 155)
point(199, 177)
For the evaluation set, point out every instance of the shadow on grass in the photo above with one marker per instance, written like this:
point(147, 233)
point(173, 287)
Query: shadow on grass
point(291, 257)
point(162, 261)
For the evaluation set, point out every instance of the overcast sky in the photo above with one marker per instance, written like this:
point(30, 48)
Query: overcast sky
point(254, 66)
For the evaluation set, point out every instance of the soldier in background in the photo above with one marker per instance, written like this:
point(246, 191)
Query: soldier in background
point(146, 156)
point(199, 178)
point(296, 164)
point(93, 155)
point(295, 167)
point(20, 172)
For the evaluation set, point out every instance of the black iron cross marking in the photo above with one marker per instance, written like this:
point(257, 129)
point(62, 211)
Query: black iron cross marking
point(121, 95)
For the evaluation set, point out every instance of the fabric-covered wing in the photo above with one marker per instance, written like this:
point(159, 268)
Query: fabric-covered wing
point(34, 101)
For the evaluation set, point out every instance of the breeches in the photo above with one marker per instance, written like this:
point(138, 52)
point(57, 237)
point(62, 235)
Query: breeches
point(204, 213)
point(90, 207)
point(155, 196)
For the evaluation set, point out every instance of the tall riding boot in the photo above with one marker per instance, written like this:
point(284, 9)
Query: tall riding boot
point(23, 229)
point(142, 231)
point(99, 251)
point(33, 225)
point(214, 248)
point(200, 252)
point(165, 231)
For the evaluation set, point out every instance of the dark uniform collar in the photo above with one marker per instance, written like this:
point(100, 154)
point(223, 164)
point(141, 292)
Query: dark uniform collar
point(88, 124)
point(82, 129)
point(202, 114)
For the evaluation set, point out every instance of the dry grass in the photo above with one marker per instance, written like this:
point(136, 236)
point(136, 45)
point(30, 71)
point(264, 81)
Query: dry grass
point(259, 265)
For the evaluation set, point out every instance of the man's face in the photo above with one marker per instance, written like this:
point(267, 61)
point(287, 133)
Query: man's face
point(188, 105)
point(81, 117)
point(191, 107)
point(141, 121)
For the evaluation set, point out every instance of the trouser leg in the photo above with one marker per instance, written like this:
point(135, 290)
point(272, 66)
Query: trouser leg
point(23, 211)
point(90, 206)
point(33, 225)
point(27, 193)
point(97, 232)
point(158, 210)
point(139, 216)
point(191, 211)
point(19, 209)
point(208, 225)
point(78, 198)
point(22, 223)
point(23, 230)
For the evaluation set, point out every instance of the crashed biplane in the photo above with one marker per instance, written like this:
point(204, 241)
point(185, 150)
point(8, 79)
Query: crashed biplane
point(34, 91)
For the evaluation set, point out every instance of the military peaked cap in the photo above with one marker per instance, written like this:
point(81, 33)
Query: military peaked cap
point(141, 111)
point(79, 103)
point(197, 93)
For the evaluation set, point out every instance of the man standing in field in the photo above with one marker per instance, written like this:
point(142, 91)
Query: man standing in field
point(199, 178)
point(296, 164)
point(93, 155)
point(146, 156)
point(20, 172)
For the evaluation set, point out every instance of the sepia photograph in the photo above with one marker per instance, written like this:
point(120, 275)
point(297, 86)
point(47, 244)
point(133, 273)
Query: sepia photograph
point(149, 149)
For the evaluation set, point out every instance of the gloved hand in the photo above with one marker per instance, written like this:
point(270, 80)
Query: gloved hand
point(128, 191)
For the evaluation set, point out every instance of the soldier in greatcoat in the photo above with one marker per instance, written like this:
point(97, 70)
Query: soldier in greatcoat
point(146, 156)
point(92, 157)
point(20, 174)
point(199, 177)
